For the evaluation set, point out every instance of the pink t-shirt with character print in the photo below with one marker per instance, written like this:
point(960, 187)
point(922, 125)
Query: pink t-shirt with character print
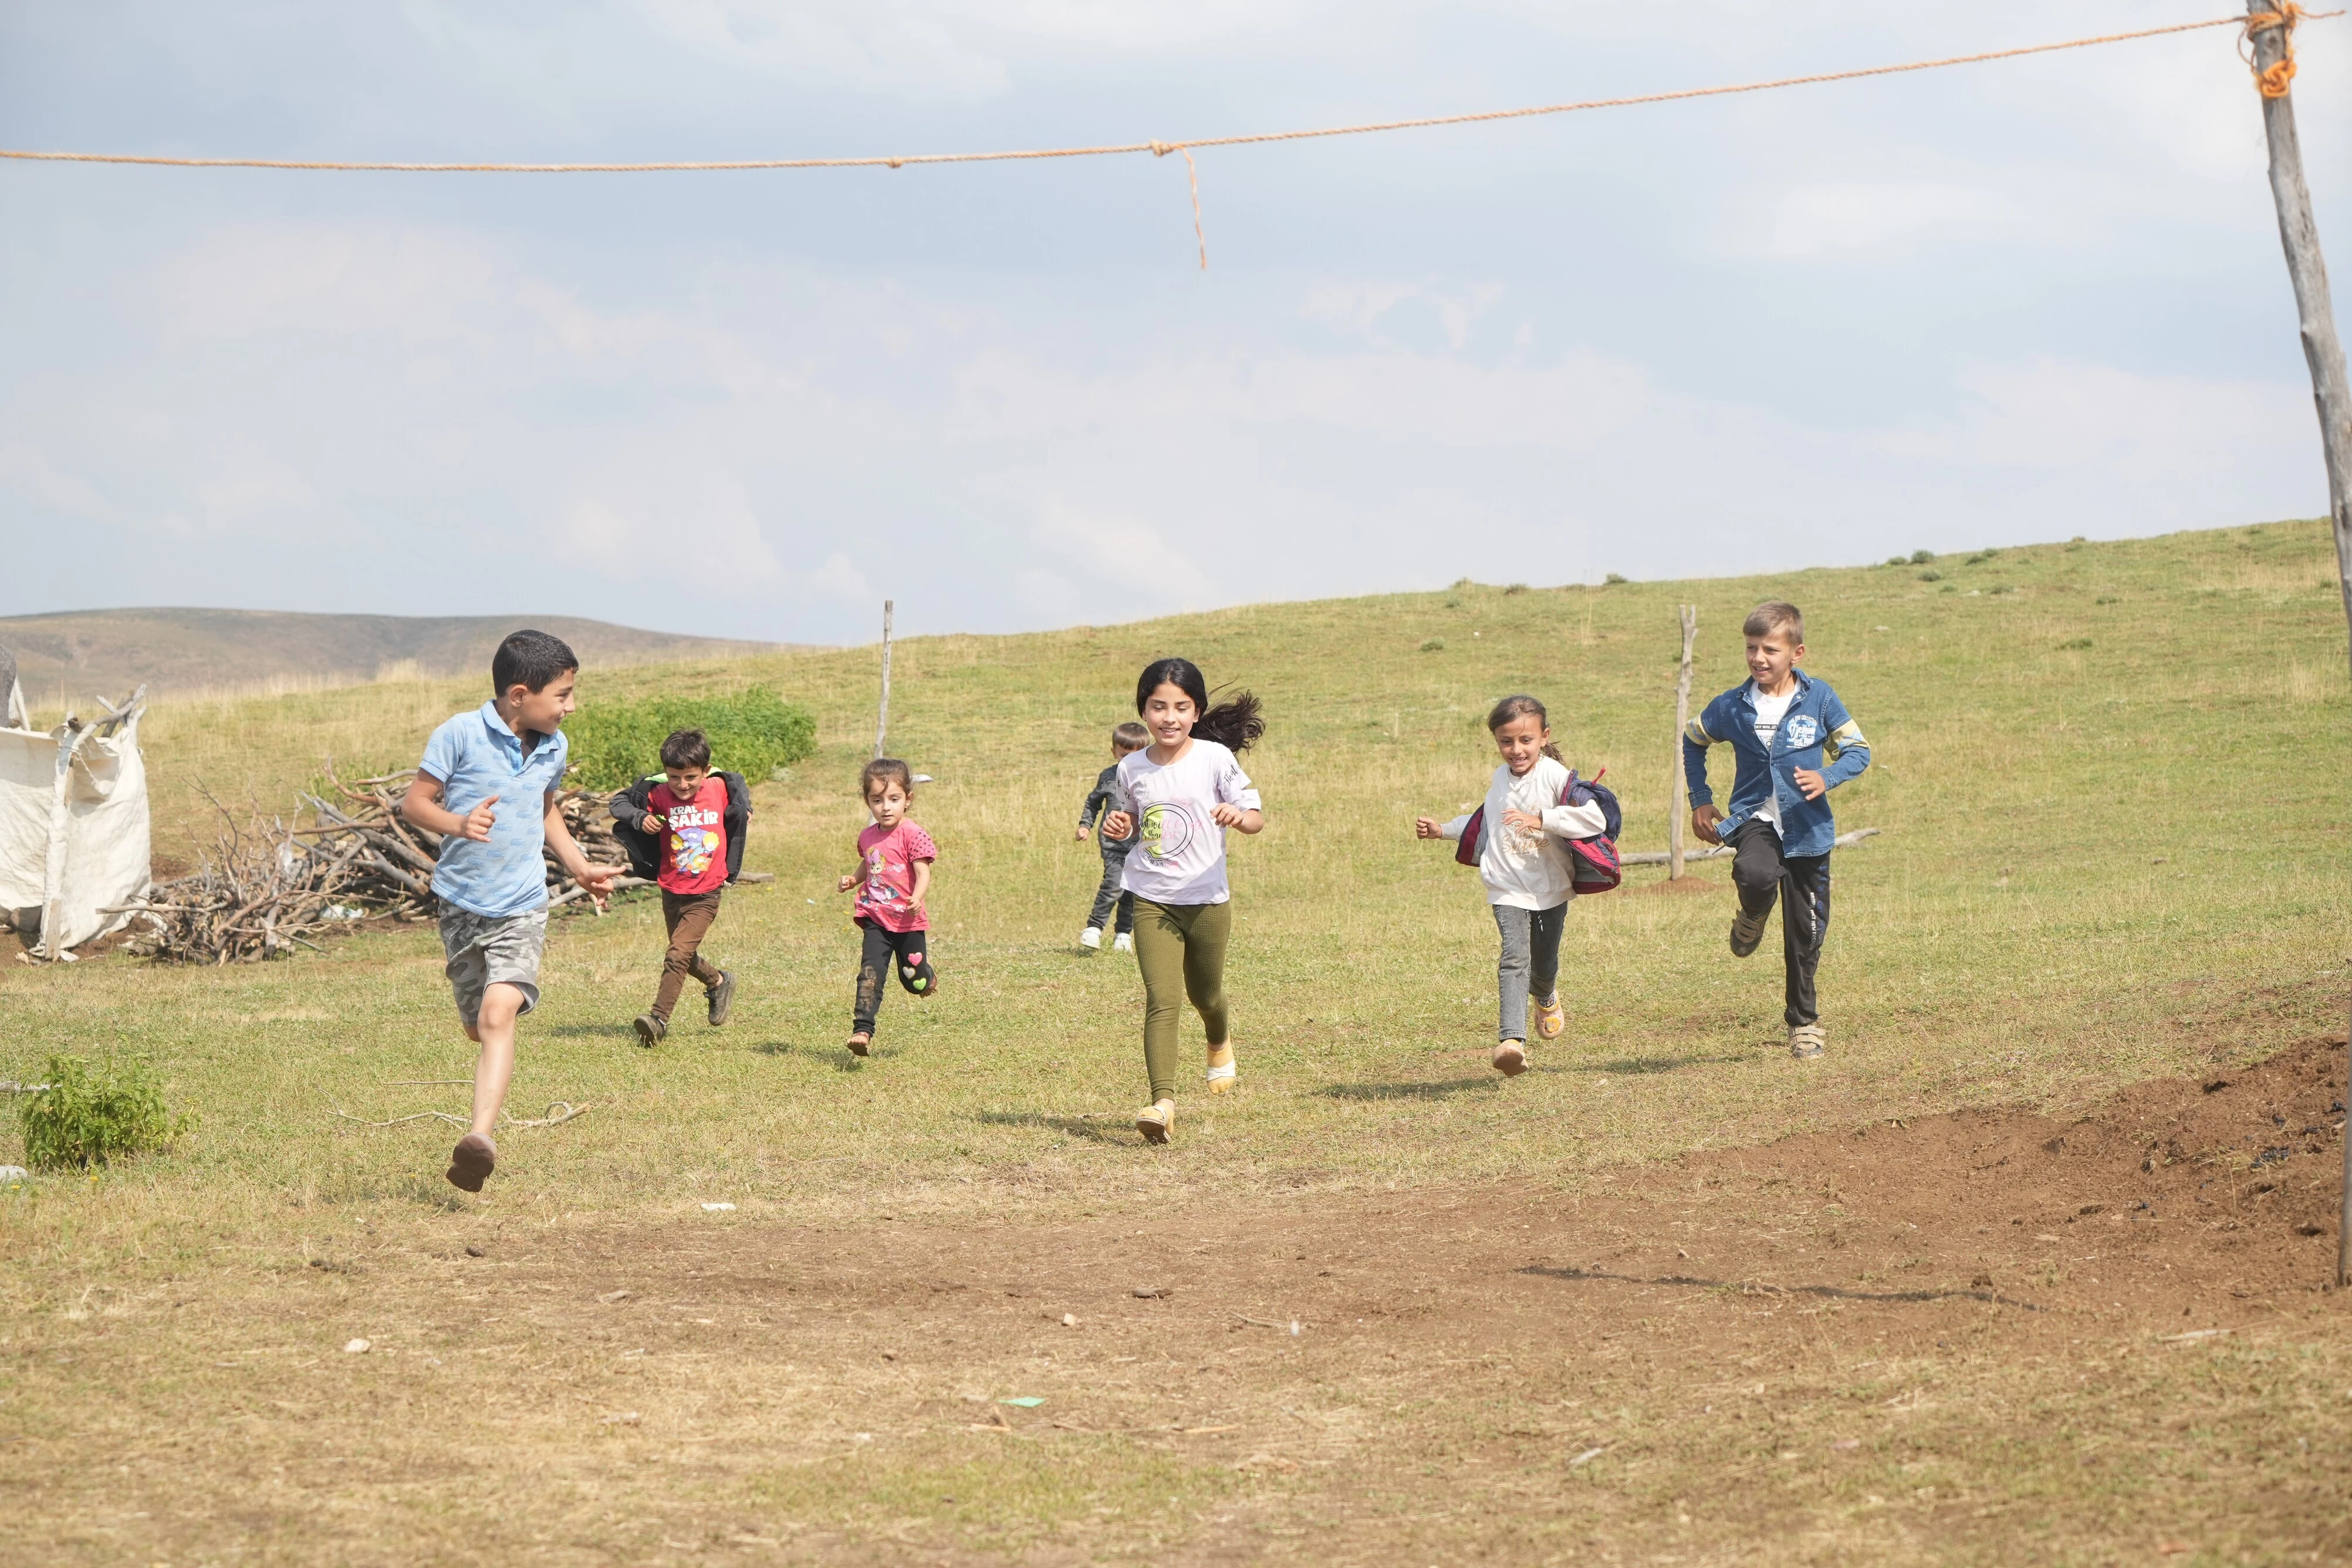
point(887, 897)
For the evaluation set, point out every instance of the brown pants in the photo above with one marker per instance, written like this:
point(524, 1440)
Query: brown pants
point(688, 916)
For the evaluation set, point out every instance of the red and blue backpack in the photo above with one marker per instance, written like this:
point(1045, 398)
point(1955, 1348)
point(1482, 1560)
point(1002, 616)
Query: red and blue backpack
point(1598, 869)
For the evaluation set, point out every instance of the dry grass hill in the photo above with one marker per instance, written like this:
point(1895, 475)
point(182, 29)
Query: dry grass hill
point(105, 652)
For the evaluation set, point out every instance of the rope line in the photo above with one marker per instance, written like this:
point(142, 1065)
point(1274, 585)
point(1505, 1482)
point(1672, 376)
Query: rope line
point(2275, 80)
point(2273, 83)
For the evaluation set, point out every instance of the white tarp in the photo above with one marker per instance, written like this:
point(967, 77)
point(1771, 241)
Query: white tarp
point(73, 824)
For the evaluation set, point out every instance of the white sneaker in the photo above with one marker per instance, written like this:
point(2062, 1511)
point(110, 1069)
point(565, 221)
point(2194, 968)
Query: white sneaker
point(1091, 939)
point(1123, 943)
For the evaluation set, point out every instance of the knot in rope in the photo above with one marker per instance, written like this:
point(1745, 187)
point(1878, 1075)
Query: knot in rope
point(2275, 80)
point(1161, 149)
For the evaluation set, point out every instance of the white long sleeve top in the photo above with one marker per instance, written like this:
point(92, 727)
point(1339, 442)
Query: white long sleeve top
point(1525, 869)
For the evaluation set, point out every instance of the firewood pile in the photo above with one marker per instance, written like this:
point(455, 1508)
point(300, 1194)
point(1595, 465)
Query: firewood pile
point(268, 888)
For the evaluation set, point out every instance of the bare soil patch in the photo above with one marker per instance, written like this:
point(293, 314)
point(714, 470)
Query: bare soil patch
point(1986, 1336)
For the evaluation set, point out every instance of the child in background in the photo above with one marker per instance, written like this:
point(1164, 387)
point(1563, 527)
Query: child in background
point(491, 877)
point(687, 815)
point(1184, 791)
point(892, 881)
point(1525, 862)
point(1105, 797)
point(1792, 741)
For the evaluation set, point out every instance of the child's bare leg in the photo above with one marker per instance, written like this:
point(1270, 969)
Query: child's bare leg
point(501, 1005)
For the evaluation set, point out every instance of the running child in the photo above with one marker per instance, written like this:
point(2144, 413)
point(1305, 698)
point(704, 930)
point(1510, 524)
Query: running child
point(692, 822)
point(1530, 875)
point(1792, 743)
point(1185, 790)
point(491, 878)
point(892, 881)
point(1105, 797)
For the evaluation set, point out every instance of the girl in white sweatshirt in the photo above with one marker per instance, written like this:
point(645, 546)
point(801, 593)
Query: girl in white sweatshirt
point(1530, 873)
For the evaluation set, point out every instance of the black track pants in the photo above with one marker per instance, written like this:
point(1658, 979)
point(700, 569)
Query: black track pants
point(905, 950)
point(1762, 874)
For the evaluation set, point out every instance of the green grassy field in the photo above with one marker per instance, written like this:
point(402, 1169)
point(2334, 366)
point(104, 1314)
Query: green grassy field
point(2108, 779)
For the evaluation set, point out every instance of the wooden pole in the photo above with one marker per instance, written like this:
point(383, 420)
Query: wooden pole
point(2324, 352)
point(882, 719)
point(1678, 792)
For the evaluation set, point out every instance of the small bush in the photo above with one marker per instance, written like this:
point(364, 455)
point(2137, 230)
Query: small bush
point(2005, 588)
point(87, 1118)
point(1898, 560)
point(2077, 543)
point(2106, 599)
point(1612, 579)
point(1931, 576)
point(1981, 556)
point(1921, 557)
point(1452, 604)
point(2076, 645)
point(1515, 588)
point(1461, 582)
point(1434, 644)
point(1949, 588)
point(752, 731)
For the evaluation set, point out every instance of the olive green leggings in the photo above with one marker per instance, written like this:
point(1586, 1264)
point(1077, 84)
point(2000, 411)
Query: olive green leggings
point(1181, 948)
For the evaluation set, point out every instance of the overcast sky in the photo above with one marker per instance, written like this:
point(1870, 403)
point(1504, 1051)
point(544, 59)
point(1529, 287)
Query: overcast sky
point(2007, 302)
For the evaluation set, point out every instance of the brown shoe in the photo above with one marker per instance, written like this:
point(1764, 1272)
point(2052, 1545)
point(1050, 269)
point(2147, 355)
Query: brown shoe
point(861, 1043)
point(1510, 1059)
point(471, 1162)
point(721, 998)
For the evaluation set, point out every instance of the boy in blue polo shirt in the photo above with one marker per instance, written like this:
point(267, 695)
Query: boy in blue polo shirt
point(489, 786)
point(1793, 743)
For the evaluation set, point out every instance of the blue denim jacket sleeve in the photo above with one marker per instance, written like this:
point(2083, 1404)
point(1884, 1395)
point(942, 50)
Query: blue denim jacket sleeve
point(1703, 731)
point(1844, 753)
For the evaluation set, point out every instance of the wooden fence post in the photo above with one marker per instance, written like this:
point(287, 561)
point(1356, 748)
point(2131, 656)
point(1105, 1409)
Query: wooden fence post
point(2271, 25)
point(882, 719)
point(1678, 791)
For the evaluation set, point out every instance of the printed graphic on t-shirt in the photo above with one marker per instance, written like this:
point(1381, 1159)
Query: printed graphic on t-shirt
point(691, 850)
point(1168, 828)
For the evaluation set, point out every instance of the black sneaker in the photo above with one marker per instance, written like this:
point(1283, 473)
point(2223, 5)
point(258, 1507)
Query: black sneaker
point(722, 997)
point(1747, 930)
point(651, 1031)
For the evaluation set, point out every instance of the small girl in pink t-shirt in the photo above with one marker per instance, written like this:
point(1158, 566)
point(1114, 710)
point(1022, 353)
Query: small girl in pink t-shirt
point(893, 875)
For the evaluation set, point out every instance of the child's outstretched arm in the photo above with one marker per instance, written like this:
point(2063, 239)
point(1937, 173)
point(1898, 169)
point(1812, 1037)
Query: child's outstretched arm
point(1429, 827)
point(1695, 741)
point(597, 879)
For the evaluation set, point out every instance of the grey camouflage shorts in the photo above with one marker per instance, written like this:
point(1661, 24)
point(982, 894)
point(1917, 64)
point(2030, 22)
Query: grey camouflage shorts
point(484, 951)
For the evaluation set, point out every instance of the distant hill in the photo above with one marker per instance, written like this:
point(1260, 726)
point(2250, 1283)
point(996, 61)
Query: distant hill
point(108, 652)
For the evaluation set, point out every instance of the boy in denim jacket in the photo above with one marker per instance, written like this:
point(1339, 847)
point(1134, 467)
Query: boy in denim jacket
point(1794, 742)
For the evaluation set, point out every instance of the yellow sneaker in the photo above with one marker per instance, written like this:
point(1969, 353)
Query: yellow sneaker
point(1222, 1074)
point(1550, 1019)
point(1155, 1121)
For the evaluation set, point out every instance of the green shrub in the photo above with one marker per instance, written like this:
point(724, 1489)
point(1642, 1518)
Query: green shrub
point(1515, 588)
point(87, 1116)
point(1614, 577)
point(1931, 576)
point(1921, 557)
point(1434, 644)
point(752, 731)
point(2076, 645)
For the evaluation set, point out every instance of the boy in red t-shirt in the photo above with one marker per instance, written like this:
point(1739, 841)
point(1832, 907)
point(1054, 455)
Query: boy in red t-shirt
point(893, 877)
point(687, 812)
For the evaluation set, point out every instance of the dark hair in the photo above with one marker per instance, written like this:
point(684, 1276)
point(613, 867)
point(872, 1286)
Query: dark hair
point(1770, 617)
point(686, 749)
point(529, 659)
point(1520, 707)
point(1130, 735)
point(1235, 723)
point(882, 769)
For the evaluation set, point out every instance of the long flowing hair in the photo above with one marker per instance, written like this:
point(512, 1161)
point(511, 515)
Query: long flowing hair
point(1235, 723)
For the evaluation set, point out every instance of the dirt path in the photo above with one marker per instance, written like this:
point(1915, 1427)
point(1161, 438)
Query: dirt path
point(1987, 1336)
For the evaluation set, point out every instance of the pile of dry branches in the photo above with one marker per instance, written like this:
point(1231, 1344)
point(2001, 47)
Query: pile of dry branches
point(268, 888)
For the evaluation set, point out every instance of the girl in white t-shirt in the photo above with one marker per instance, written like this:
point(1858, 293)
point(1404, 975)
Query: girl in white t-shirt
point(1528, 869)
point(1188, 787)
